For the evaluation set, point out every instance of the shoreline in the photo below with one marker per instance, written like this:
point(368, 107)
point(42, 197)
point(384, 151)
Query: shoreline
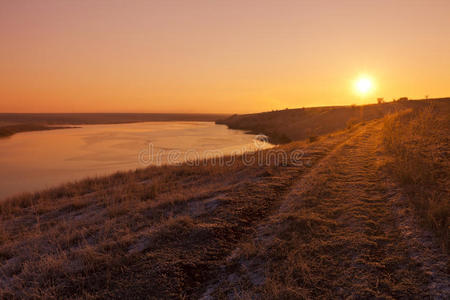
point(12, 123)
point(151, 229)
point(79, 147)
point(10, 130)
point(102, 118)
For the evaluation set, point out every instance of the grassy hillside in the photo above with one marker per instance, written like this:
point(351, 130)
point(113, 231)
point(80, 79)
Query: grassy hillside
point(341, 217)
point(297, 124)
point(419, 143)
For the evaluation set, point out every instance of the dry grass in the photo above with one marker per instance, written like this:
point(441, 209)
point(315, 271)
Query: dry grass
point(419, 142)
point(322, 229)
point(337, 235)
point(97, 237)
point(289, 125)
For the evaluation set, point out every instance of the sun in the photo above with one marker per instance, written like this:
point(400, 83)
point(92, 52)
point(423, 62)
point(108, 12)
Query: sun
point(363, 85)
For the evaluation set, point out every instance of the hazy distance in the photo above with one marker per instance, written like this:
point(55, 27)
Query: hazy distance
point(217, 56)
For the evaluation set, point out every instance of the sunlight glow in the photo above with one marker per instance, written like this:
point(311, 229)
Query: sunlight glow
point(363, 85)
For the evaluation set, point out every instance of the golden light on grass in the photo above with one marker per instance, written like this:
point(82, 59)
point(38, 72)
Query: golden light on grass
point(364, 85)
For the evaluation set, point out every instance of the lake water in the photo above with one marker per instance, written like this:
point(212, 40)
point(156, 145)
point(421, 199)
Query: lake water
point(37, 160)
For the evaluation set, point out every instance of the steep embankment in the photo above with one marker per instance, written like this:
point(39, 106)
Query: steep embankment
point(308, 219)
point(297, 124)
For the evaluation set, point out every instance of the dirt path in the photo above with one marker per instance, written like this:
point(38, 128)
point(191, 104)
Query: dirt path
point(183, 257)
point(336, 226)
point(337, 233)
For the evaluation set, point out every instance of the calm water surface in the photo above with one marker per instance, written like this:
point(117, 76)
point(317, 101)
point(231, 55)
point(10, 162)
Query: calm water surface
point(33, 161)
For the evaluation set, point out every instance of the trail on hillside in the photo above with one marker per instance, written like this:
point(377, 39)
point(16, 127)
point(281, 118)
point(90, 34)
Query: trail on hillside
point(338, 232)
point(334, 226)
point(183, 257)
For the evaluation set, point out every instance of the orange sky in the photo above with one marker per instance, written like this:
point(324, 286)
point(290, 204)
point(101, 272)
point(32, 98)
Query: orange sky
point(217, 56)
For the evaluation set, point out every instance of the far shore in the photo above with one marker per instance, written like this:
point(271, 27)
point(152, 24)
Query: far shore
point(12, 123)
point(9, 130)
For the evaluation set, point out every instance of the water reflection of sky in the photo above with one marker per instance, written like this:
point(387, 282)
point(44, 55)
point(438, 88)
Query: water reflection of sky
point(35, 160)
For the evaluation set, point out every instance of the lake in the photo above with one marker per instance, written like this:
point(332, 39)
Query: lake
point(32, 161)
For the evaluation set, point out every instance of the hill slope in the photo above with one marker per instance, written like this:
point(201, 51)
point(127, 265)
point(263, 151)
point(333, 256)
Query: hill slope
point(329, 219)
point(297, 124)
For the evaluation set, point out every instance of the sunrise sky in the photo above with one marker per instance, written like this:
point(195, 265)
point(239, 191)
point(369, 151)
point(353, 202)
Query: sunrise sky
point(218, 56)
